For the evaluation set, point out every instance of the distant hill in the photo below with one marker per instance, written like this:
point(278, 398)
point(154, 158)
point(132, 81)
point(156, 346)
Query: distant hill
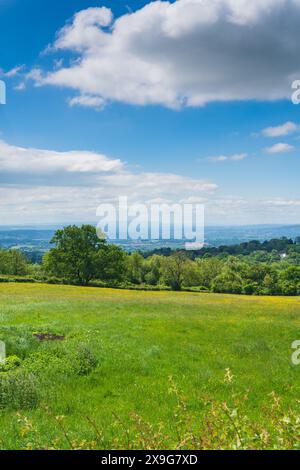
point(38, 238)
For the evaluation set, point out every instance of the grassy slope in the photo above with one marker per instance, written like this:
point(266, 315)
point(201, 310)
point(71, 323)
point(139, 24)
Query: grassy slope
point(141, 339)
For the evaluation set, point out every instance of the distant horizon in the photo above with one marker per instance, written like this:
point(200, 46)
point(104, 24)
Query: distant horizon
point(94, 224)
point(58, 225)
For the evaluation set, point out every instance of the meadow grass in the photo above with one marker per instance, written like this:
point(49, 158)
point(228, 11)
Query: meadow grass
point(148, 369)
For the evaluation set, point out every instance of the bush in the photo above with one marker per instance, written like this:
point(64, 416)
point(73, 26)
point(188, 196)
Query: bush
point(48, 363)
point(11, 362)
point(224, 286)
point(85, 361)
point(96, 283)
point(250, 288)
point(5, 279)
point(18, 390)
point(54, 280)
point(289, 288)
point(197, 289)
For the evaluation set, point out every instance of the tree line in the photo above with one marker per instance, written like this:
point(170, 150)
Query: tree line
point(79, 257)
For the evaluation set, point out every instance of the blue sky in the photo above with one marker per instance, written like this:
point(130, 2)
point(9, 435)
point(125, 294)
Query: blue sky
point(184, 137)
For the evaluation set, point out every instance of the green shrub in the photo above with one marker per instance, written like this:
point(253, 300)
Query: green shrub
point(197, 289)
point(21, 279)
point(289, 288)
point(96, 283)
point(47, 364)
point(85, 361)
point(11, 362)
point(18, 390)
point(250, 288)
point(54, 280)
point(28, 280)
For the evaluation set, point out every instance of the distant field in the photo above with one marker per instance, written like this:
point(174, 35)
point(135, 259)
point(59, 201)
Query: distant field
point(147, 370)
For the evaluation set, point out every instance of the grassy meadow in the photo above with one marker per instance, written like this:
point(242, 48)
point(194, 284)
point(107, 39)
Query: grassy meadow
point(149, 370)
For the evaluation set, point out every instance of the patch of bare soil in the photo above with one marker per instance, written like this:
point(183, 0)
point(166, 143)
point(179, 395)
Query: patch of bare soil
point(48, 337)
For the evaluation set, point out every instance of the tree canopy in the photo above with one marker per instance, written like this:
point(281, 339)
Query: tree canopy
point(80, 256)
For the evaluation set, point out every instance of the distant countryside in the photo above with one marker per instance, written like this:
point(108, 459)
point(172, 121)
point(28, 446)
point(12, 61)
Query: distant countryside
point(78, 257)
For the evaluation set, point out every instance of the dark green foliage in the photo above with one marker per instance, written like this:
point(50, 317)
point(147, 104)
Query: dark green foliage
point(110, 264)
point(174, 269)
point(281, 245)
point(13, 262)
point(80, 256)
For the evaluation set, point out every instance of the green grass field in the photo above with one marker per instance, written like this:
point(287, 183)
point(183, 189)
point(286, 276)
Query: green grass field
point(148, 370)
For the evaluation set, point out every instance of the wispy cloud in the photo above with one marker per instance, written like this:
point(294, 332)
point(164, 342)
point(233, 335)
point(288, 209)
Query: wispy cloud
point(280, 202)
point(88, 101)
point(13, 72)
point(233, 158)
point(280, 148)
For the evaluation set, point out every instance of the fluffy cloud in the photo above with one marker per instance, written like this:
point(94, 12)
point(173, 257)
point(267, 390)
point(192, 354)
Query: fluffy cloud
point(280, 148)
point(22, 160)
point(185, 53)
point(280, 131)
point(50, 185)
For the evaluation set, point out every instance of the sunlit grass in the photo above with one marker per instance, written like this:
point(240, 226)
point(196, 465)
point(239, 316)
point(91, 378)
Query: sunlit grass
point(140, 340)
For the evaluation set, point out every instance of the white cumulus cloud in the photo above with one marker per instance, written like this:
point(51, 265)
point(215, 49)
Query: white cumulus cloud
point(185, 53)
